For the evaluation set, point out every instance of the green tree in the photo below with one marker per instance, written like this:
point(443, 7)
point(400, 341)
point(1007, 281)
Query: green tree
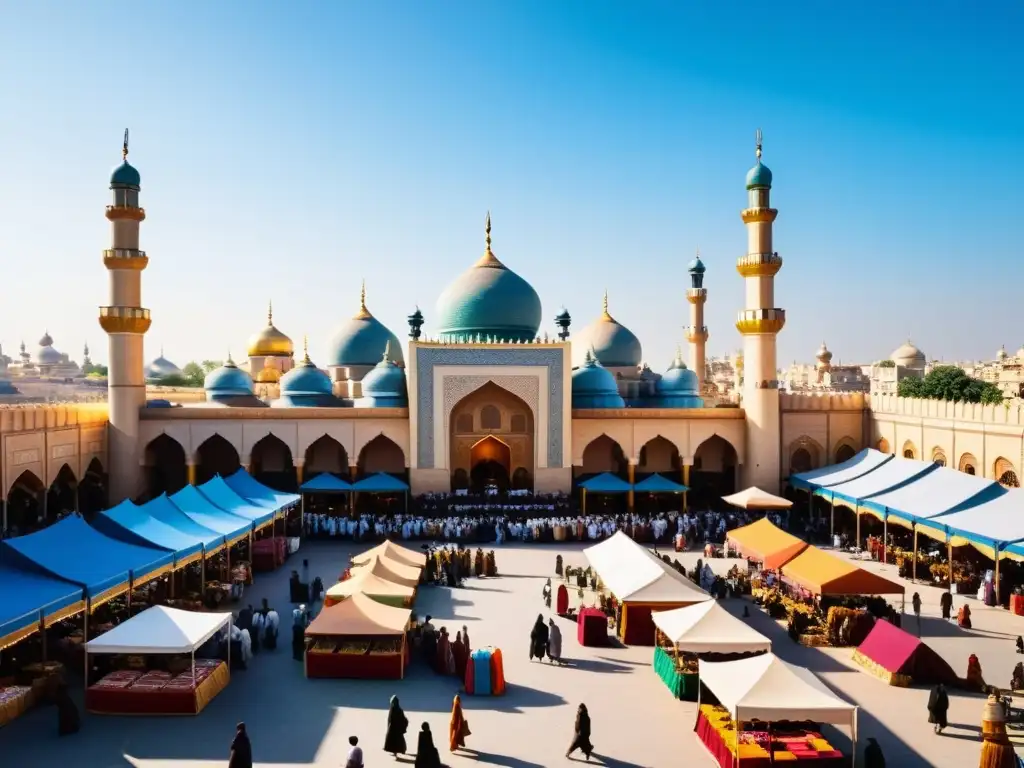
point(886, 364)
point(176, 380)
point(948, 382)
point(210, 365)
point(194, 374)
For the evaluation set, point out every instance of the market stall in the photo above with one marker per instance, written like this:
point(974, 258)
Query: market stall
point(220, 494)
point(817, 481)
point(365, 581)
point(605, 483)
point(30, 600)
point(755, 499)
point(179, 684)
point(765, 543)
point(591, 626)
point(822, 573)
point(899, 658)
point(769, 712)
point(642, 583)
point(133, 524)
point(251, 489)
point(358, 638)
point(383, 483)
point(163, 509)
point(388, 569)
point(391, 551)
point(686, 634)
point(237, 531)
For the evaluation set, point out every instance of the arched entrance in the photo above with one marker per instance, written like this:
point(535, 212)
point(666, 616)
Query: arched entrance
point(382, 454)
point(491, 440)
point(92, 491)
point(603, 455)
point(61, 495)
point(800, 461)
point(844, 452)
point(490, 464)
point(216, 456)
point(325, 454)
point(714, 473)
point(25, 505)
point(166, 470)
point(271, 463)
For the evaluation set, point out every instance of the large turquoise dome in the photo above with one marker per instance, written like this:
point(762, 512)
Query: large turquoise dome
point(384, 387)
point(227, 381)
point(361, 340)
point(125, 175)
point(594, 386)
point(613, 344)
point(759, 176)
point(489, 299)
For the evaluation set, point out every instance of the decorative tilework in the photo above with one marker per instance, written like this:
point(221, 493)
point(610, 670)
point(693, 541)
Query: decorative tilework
point(428, 357)
point(457, 387)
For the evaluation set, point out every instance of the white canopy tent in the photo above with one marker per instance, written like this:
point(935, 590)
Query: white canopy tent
point(767, 688)
point(709, 628)
point(631, 573)
point(755, 498)
point(160, 630)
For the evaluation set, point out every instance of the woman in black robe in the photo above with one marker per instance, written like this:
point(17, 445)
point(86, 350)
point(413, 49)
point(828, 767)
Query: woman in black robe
point(298, 641)
point(398, 724)
point(241, 749)
point(946, 603)
point(581, 733)
point(539, 639)
point(426, 752)
point(938, 705)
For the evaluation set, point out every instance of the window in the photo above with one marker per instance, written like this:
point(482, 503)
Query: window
point(490, 417)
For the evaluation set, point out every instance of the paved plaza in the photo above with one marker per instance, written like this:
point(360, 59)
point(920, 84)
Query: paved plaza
point(297, 722)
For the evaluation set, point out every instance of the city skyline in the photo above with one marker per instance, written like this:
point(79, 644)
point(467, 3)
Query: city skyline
point(311, 150)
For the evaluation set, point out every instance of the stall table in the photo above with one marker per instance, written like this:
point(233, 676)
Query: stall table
point(717, 732)
point(358, 638)
point(269, 554)
point(131, 692)
point(592, 628)
point(683, 685)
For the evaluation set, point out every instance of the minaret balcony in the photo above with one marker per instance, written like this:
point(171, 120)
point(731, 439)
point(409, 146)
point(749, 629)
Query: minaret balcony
point(696, 334)
point(125, 258)
point(759, 322)
point(759, 264)
point(755, 215)
point(125, 319)
point(697, 295)
point(125, 212)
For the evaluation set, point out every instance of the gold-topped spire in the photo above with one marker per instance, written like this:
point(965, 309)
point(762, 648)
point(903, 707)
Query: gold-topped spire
point(487, 231)
point(757, 150)
point(270, 312)
point(488, 259)
point(305, 350)
point(124, 147)
point(363, 313)
point(605, 315)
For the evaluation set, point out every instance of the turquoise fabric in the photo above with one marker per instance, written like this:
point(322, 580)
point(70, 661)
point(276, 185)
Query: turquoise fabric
point(682, 686)
point(482, 673)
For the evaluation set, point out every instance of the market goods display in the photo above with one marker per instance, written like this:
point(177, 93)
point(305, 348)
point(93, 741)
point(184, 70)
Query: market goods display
point(788, 742)
point(155, 692)
point(15, 700)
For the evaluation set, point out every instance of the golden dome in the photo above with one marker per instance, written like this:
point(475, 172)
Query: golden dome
point(270, 342)
point(268, 376)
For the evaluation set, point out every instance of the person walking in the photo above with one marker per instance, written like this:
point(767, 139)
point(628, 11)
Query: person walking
point(398, 724)
point(873, 757)
point(458, 727)
point(241, 749)
point(581, 733)
point(426, 752)
point(916, 601)
point(538, 639)
point(938, 706)
point(554, 642)
point(355, 754)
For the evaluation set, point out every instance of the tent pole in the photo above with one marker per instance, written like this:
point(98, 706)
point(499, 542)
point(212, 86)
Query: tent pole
point(583, 503)
point(949, 550)
point(193, 668)
point(202, 573)
point(996, 577)
point(832, 521)
point(853, 762)
point(85, 640)
point(885, 537)
point(913, 565)
point(302, 511)
point(856, 514)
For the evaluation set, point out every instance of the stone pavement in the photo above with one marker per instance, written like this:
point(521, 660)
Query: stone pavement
point(294, 722)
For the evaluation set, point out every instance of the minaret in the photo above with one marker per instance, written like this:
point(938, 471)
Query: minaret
point(125, 322)
point(759, 324)
point(696, 331)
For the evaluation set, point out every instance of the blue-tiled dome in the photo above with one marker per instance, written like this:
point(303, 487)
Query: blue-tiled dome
point(759, 176)
point(228, 380)
point(384, 386)
point(613, 345)
point(696, 266)
point(489, 299)
point(360, 340)
point(678, 387)
point(125, 175)
point(594, 386)
point(306, 379)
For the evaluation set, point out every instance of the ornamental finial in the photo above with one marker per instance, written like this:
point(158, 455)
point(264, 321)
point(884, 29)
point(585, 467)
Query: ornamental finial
point(305, 348)
point(270, 312)
point(757, 151)
point(363, 312)
point(387, 351)
point(487, 231)
point(124, 147)
point(604, 306)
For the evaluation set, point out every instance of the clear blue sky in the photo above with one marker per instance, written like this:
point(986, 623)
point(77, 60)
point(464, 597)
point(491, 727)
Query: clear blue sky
point(287, 154)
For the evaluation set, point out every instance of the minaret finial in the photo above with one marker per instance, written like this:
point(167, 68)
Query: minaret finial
point(305, 349)
point(124, 147)
point(757, 151)
point(363, 312)
point(487, 231)
point(270, 312)
point(604, 306)
point(387, 351)
point(161, 350)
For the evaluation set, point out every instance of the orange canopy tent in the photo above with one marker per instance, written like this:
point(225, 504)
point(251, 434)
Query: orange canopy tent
point(763, 542)
point(360, 615)
point(388, 549)
point(389, 570)
point(822, 573)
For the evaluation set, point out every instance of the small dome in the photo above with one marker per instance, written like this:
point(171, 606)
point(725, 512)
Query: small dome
point(489, 299)
point(47, 340)
point(612, 344)
point(593, 386)
point(270, 342)
point(384, 386)
point(677, 380)
point(909, 356)
point(824, 355)
point(1001, 354)
point(759, 176)
point(360, 340)
point(696, 266)
point(125, 175)
point(228, 380)
point(46, 354)
point(161, 367)
point(306, 379)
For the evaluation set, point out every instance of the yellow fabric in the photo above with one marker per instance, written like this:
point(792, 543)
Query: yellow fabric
point(824, 574)
point(876, 669)
point(843, 503)
point(761, 540)
point(893, 520)
point(932, 533)
point(868, 511)
point(211, 686)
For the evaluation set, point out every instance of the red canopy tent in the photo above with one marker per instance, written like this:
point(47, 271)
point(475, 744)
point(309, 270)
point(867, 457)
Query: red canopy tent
point(899, 658)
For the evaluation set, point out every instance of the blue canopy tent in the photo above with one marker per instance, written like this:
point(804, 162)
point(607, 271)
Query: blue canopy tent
point(133, 524)
point(73, 550)
point(164, 510)
point(248, 487)
point(29, 600)
point(890, 475)
point(659, 484)
point(382, 482)
point(200, 510)
point(606, 482)
point(856, 466)
point(220, 494)
point(325, 482)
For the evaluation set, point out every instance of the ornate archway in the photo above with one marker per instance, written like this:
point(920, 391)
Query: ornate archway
point(325, 454)
point(603, 454)
point(714, 472)
point(938, 457)
point(166, 470)
point(659, 455)
point(382, 454)
point(1006, 473)
point(491, 411)
point(909, 451)
point(61, 495)
point(25, 504)
point(968, 464)
point(216, 456)
point(271, 463)
point(800, 461)
point(845, 452)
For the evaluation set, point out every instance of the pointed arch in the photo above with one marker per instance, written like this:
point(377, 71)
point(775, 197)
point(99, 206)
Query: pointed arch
point(909, 450)
point(813, 455)
point(800, 461)
point(659, 455)
point(62, 495)
point(883, 446)
point(714, 471)
point(381, 454)
point(166, 466)
point(92, 490)
point(1005, 473)
point(603, 454)
point(939, 456)
point(271, 463)
point(844, 450)
point(216, 456)
point(325, 454)
point(968, 464)
point(24, 504)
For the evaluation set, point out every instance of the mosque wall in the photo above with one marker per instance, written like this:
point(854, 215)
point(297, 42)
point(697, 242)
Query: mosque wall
point(820, 429)
point(40, 439)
